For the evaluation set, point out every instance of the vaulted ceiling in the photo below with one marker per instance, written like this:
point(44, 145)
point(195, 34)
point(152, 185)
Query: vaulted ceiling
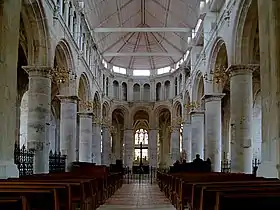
point(142, 34)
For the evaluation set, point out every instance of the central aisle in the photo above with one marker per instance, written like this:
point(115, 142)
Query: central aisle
point(138, 196)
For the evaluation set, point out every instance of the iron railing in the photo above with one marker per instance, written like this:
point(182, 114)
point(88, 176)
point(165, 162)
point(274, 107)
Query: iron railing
point(57, 162)
point(226, 166)
point(24, 159)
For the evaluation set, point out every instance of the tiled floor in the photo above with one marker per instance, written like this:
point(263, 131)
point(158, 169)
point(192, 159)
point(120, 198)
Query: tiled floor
point(138, 196)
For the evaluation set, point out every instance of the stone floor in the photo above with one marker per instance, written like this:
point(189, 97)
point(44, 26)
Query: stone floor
point(138, 196)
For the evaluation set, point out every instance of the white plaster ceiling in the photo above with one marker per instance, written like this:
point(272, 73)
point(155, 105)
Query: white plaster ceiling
point(162, 41)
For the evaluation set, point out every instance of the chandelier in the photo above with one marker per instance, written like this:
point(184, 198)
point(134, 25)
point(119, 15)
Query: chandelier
point(192, 105)
point(218, 75)
point(60, 75)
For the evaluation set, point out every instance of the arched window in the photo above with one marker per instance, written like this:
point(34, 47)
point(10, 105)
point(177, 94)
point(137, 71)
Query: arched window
point(158, 91)
point(107, 86)
point(136, 92)
point(116, 89)
point(124, 91)
point(141, 136)
point(146, 92)
point(166, 89)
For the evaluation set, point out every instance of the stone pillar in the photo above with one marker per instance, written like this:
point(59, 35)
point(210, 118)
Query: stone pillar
point(68, 127)
point(117, 145)
point(85, 143)
point(71, 26)
point(213, 129)
point(96, 143)
point(66, 10)
point(128, 147)
point(241, 103)
point(187, 140)
point(269, 32)
point(197, 126)
point(175, 144)
point(9, 36)
point(106, 145)
point(153, 147)
point(39, 114)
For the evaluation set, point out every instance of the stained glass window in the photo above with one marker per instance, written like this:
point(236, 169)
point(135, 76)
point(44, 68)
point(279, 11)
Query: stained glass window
point(141, 135)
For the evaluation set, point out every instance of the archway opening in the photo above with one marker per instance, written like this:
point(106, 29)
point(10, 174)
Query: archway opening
point(163, 138)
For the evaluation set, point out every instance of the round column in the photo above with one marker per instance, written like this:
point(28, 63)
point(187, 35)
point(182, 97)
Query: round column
point(197, 135)
point(96, 143)
point(85, 141)
point(241, 103)
point(39, 113)
point(175, 144)
point(213, 129)
point(153, 147)
point(106, 145)
point(68, 127)
point(187, 141)
point(9, 36)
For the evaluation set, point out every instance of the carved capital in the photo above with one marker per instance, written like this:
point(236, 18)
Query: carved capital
point(68, 99)
point(85, 114)
point(38, 71)
point(242, 69)
point(213, 97)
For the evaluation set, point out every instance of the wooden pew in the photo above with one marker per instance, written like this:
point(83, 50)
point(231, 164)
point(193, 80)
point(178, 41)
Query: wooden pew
point(64, 190)
point(214, 190)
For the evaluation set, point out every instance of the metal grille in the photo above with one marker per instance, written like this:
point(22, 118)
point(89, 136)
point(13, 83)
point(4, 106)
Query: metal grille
point(57, 162)
point(24, 158)
point(226, 166)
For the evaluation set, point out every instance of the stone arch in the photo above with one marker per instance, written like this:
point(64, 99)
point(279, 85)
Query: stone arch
point(84, 93)
point(105, 112)
point(64, 55)
point(198, 88)
point(219, 62)
point(123, 110)
point(186, 106)
point(141, 119)
point(159, 109)
point(118, 118)
point(34, 18)
point(164, 135)
point(97, 107)
point(245, 33)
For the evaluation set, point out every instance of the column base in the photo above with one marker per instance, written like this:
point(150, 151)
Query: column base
point(8, 170)
point(267, 169)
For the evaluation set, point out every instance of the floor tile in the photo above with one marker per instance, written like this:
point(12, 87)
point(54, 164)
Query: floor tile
point(138, 196)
